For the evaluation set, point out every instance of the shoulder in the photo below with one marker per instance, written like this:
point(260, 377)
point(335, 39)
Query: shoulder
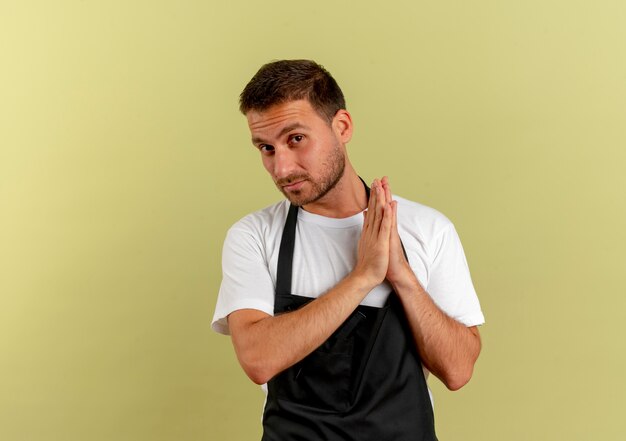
point(421, 219)
point(262, 222)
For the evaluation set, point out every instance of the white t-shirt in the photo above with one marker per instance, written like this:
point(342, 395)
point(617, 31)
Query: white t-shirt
point(326, 251)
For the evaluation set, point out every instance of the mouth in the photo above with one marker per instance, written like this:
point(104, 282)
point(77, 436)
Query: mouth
point(294, 186)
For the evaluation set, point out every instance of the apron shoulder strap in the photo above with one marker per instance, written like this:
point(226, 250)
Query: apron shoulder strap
point(285, 254)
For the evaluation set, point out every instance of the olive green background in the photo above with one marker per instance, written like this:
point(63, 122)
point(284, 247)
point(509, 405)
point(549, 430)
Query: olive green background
point(123, 161)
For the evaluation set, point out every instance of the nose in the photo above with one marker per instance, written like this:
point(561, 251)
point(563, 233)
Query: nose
point(285, 163)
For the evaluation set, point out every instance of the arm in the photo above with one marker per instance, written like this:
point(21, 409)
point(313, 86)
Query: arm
point(266, 345)
point(447, 348)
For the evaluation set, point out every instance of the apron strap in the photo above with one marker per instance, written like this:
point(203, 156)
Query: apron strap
point(367, 192)
point(285, 254)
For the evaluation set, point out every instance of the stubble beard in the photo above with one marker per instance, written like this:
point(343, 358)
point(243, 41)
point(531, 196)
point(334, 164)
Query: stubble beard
point(334, 166)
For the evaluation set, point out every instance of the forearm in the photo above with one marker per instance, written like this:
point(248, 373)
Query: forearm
point(267, 345)
point(447, 348)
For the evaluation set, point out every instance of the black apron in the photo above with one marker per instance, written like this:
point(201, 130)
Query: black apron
point(364, 383)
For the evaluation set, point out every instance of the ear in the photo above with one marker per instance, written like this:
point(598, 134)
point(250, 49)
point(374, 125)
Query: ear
point(342, 126)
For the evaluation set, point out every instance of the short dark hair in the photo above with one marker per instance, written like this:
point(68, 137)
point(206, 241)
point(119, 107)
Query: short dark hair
point(289, 80)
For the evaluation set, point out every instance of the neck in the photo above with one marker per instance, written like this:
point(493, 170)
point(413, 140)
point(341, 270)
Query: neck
point(346, 199)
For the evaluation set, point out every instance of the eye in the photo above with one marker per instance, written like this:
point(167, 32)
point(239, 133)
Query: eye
point(295, 139)
point(266, 149)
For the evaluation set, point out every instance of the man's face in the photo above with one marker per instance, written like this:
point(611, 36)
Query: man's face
point(301, 151)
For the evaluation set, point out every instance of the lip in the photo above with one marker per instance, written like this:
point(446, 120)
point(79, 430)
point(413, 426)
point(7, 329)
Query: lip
point(294, 185)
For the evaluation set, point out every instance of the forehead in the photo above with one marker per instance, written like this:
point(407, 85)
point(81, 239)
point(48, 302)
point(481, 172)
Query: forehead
point(283, 114)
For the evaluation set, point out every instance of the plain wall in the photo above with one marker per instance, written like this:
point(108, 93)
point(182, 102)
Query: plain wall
point(124, 160)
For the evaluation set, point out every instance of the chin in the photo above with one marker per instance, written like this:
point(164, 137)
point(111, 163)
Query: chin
point(298, 198)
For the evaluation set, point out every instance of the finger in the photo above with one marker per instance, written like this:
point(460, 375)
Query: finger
point(380, 205)
point(394, 206)
point(387, 188)
point(383, 192)
point(372, 202)
point(385, 225)
point(371, 207)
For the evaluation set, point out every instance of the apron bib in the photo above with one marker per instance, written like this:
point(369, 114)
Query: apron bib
point(365, 383)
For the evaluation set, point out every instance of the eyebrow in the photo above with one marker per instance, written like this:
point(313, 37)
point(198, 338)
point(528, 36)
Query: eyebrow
point(284, 130)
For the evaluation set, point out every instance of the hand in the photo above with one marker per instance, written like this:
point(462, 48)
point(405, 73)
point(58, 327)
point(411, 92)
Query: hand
point(373, 252)
point(398, 265)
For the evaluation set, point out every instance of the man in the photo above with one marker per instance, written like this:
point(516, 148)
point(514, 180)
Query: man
point(338, 297)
